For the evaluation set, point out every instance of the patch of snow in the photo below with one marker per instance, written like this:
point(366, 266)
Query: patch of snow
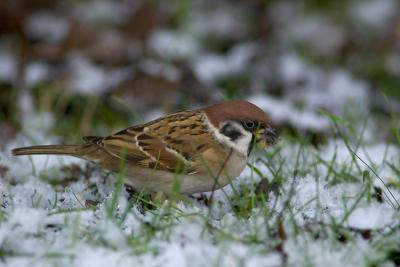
point(374, 13)
point(374, 216)
point(88, 78)
point(103, 11)
point(224, 21)
point(47, 27)
point(317, 200)
point(210, 67)
point(102, 257)
point(344, 87)
point(283, 111)
point(327, 37)
point(111, 233)
point(292, 69)
point(269, 260)
point(374, 155)
point(36, 127)
point(310, 252)
point(35, 73)
point(156, 68)
point(173, 44)
point(8, 66)
point(336, 90)
point(37, 124)
point(29, 221)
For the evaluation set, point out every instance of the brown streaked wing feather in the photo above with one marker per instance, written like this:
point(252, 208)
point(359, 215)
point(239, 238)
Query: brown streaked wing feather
point(191, 140)
point(163, 144)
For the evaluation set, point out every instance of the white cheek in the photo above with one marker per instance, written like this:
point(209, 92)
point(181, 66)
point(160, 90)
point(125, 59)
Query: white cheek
point(242, 144)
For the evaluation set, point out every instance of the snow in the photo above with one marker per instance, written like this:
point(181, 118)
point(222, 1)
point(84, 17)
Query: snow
point(108, 12)
point(374, 216)
point(88, 78)
point(327, 36)
point(27, 221)
point(173, 44)
point(36, 73)
point(374, 13)
point(8, 66)
point(160, 69)
point(293, 69)
point(222, 21)
point(210, 67)
point(335, 90)
point(41, 219)
point(47, 26)
point(47, 219)
point(373, 155)
point(283, 111)
point(90, 257)
point(185, 242)
point(327, 202)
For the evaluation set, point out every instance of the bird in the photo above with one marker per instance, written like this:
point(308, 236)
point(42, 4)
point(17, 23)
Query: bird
point(190, 151)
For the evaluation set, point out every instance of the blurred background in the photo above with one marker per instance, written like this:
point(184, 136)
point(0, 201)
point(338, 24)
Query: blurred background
point(80, 67)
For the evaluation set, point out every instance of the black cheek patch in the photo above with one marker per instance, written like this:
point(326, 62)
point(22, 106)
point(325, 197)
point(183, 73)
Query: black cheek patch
point(231, 132)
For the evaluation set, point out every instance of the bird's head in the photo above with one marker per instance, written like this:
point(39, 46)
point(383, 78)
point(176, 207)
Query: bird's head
point(241, 125)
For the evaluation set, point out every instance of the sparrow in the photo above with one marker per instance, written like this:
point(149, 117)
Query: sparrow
point(190, 151)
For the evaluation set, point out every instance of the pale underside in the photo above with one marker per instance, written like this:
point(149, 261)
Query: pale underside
point(180, 151)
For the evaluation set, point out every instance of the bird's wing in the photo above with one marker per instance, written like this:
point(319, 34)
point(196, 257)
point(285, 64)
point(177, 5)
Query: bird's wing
point(174, 143)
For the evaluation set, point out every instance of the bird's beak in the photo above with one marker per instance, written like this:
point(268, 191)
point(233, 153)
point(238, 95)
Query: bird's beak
point(266, 137)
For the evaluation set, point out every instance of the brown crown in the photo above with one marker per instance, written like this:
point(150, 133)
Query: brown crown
point(235, 110)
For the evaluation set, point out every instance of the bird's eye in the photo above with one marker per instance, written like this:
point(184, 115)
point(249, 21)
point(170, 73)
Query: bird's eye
point(249, 125)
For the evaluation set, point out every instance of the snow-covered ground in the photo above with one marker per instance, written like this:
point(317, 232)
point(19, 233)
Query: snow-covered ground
point(329, 208)
point(328, 194)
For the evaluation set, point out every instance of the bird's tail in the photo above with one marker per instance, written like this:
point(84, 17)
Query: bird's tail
point(71, 150)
